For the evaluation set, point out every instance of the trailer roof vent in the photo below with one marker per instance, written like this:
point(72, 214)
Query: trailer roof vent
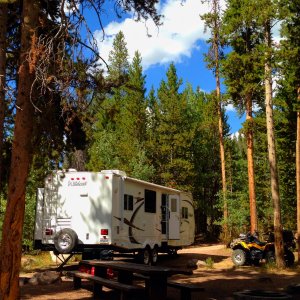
point(117, 172)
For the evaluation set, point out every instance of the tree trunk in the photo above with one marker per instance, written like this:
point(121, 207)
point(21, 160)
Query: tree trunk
point(250, 160)
point(11, 246)
point(298, 172)
point(3, 27)
point(219, 110)
point(272, 151)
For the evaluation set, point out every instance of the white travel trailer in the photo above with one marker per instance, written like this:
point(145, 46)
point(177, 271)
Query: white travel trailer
point(108, 210)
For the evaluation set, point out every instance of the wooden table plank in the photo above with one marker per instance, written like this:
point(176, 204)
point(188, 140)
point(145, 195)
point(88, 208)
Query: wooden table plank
point(156, 286)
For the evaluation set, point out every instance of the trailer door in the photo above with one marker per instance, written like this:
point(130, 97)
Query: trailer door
point(174, 219)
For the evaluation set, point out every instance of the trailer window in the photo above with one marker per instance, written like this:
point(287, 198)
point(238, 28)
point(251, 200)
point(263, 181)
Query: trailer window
point(128, 202)
point(150, 201)
point(173, 205)
point(185, 213)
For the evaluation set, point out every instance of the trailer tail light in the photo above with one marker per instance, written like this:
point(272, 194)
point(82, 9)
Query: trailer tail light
point(49, 231)
point(87, 270)
point(104, 231)
point(110, 273)
point(93, 271)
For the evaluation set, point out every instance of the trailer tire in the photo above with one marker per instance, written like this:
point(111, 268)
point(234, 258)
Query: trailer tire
point(145, 256)
point(154, 255)
point(65, 240)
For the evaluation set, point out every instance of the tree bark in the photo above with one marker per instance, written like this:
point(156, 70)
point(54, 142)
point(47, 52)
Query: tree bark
point(250, 160)
point(11, 246)
point(3, 28)
point(298, 171)
point(279, 252)
point(220, 119)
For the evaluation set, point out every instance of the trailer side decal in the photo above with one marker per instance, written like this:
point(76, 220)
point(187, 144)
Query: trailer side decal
point(139, 199)
point(131, 238)
point(131, 224)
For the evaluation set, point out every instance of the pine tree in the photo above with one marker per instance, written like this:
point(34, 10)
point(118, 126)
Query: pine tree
point(213, 21)
point(266, 16)
point(206, 182)
point(242, 69)
point(21, 158)
point(3, 26)
point(35, 56)
point(109, 115)
point(121, 124)
point(175, 134)
point(289, 92)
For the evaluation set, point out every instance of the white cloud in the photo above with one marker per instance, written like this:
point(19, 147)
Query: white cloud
point(230, 107)
point(236, 135)
point(176, 38)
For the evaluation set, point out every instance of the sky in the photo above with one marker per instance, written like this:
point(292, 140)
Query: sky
point(181, 40)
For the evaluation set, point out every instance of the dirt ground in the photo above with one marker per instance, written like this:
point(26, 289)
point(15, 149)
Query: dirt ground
point(220, 281)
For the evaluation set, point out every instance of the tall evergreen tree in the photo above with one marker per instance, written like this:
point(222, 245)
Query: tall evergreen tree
point(109, 111)
point(242, 69)
point(10, 250)
point(266, 15)
point(3, 30)
point(133, 122)
point(35, 16)
point(121, 124)
point(213, 21)
point(174, 132)
point(289, 92)
point(205, 160)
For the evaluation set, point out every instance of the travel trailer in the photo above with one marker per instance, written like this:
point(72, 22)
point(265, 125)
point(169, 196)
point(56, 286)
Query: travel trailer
point(107, 210)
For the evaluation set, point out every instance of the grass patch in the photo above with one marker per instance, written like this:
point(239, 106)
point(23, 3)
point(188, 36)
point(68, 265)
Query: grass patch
point(209, 262)
point(31, 262)
point(41, 260)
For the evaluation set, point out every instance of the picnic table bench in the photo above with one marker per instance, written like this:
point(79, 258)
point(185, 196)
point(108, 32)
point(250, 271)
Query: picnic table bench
point(156, 277)
point(186, 289)
point(127, 291)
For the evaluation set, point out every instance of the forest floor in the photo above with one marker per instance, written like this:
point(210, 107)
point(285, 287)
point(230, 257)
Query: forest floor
point(215, 272)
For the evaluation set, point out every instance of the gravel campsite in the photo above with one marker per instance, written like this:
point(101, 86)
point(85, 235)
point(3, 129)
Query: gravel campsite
point(212, 269)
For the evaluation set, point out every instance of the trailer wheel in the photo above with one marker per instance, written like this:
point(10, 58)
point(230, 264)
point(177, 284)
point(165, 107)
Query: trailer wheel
point(65, 240)
point(154, 255)
point(145, 256)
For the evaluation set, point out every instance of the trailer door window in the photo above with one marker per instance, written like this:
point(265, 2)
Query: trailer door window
point(128, 202)
point(150, 201)
point(173, 205)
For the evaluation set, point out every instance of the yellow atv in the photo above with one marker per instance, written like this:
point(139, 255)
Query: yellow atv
point(249, 250)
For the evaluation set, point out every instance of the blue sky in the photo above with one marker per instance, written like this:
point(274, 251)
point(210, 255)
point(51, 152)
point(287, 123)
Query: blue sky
point(181, 39)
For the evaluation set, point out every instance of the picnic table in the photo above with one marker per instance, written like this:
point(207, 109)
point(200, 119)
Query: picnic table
point(157, 276)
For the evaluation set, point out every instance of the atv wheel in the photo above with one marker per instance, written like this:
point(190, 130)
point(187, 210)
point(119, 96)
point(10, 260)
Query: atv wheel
point(270, 257)
point(289, 258)
point(239, 257)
